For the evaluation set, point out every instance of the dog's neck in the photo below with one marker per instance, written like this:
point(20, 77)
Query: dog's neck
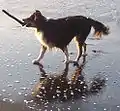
point(40, 23)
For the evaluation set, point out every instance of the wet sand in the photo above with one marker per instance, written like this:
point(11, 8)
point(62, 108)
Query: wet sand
point(18, 47)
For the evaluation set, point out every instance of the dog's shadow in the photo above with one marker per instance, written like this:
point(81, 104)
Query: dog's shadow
point(60, 87)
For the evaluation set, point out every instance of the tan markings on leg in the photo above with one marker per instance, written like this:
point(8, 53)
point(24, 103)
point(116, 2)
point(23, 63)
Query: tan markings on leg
point(84, 49)
point(41, 55)
point(79, 48)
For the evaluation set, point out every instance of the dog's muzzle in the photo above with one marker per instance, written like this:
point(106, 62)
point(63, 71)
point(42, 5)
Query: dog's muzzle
point(29, 23)
point(26, 22)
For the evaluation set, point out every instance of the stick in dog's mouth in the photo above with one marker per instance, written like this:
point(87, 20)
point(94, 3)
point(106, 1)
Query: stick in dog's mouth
point(13, 17)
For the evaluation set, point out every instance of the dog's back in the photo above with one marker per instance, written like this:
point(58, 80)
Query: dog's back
point(61, 31)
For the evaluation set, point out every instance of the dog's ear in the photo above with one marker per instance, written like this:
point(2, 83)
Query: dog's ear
point(37, 11)
point(37, 15)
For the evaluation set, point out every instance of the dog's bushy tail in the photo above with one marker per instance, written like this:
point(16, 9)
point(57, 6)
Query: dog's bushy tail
point(100, 28)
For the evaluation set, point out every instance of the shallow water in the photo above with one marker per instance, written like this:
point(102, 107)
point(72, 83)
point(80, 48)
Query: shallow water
point(18, 47)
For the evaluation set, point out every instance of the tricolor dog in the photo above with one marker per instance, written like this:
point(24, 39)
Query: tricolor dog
point(59, 32)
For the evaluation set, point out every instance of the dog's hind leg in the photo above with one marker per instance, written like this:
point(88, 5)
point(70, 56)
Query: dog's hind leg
point(79, 45)
point(41, 55)
point(84, 49)
point(79, 54)
point(65, 50)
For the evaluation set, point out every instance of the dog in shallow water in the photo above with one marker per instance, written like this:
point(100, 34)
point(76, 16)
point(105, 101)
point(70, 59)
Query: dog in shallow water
point(59, 32)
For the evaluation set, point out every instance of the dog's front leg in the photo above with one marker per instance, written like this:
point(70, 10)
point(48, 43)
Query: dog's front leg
point(41, 55)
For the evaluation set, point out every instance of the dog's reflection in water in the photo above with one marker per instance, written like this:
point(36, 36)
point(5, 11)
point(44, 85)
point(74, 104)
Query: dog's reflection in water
point(62, 88)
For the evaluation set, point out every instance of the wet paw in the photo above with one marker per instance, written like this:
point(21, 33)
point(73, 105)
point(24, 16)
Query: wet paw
point(35, 62)
point(66, 62)
point(75, 63)
point(85, 54)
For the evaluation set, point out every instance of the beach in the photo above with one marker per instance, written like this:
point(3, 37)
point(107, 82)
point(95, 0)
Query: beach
point(19, 46)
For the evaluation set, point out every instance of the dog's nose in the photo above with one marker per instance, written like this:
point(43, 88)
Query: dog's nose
point(23, 19)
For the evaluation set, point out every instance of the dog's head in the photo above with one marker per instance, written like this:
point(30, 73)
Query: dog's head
point(34, 19)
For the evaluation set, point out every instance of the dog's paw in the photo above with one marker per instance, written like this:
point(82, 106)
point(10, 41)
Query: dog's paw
point(85, 54)
point(65, 61)
point(75, 63)
point(35, 62)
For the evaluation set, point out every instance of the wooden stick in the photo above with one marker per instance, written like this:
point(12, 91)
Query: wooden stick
point(13, 17)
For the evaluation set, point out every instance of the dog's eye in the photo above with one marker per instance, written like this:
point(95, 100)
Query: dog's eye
point(32, 17)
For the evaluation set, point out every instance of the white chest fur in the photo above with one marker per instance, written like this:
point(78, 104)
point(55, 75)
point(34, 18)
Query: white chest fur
point(42, 39)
